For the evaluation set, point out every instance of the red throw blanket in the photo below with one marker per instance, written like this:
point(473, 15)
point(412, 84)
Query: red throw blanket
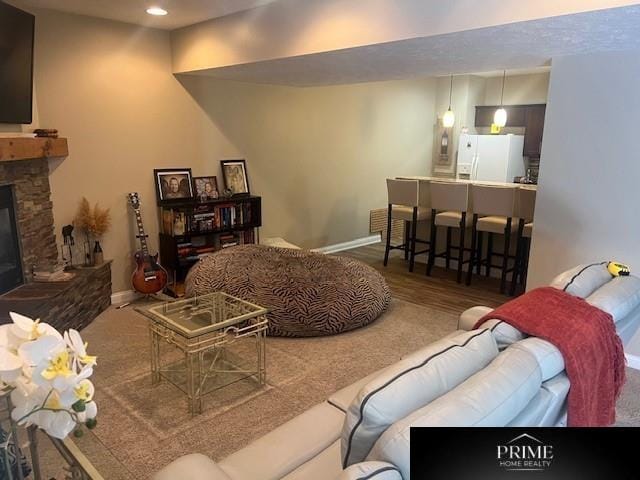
point(586, 337)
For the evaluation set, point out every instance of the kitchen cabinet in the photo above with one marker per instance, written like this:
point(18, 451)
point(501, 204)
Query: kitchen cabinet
point(531, 117)
point(534, 128)
point(515, 115)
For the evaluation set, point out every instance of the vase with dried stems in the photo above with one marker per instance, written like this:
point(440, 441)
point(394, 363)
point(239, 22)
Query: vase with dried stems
point(94, 222)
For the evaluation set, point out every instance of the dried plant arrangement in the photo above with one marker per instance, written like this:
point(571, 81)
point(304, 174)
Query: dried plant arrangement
point(94, 222)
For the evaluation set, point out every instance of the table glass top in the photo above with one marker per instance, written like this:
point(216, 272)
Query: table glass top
point(203, 314)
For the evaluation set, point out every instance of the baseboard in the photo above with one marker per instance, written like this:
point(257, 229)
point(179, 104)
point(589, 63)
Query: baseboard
point(633, 361)
point(358, 242)
point(125, 296)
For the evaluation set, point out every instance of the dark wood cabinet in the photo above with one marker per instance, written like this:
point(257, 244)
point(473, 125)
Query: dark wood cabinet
point(531, 117)
point(534, 128)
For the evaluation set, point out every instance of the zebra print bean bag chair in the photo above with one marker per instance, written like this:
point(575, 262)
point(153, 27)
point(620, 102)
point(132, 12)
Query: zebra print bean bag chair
point(308, 294)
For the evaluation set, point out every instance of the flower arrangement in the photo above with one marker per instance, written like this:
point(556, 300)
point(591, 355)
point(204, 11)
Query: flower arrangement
point(48, 376)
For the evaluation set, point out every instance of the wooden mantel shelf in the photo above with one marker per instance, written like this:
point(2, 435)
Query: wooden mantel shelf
point(21, 148)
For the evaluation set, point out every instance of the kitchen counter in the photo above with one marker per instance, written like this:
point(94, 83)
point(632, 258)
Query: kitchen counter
point(472, 182)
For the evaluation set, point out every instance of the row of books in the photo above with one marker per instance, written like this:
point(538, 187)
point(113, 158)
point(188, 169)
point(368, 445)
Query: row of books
point(188, 251)
point(206, 218)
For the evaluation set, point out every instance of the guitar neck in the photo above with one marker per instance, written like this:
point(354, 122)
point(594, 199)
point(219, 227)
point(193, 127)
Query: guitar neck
point(143, 237)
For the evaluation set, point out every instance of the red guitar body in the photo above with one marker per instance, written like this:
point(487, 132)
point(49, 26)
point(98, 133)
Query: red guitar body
point(149, 276)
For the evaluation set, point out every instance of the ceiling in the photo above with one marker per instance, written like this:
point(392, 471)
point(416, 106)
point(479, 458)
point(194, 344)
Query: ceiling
point(181, 12)
point(521, 45)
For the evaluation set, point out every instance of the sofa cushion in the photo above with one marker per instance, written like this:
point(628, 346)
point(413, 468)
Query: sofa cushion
point(284, 449)
point(194, 467)
point(504, 333)
point(344, 397)
point(547, 355)
point(582, 280)
point(618, 297)
point(470, 317)
point(325, 465)
point(492, 397)
point(410, 384)
point(371, 471)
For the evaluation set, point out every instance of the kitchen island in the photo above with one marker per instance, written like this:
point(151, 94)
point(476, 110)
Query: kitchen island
point(529, 186)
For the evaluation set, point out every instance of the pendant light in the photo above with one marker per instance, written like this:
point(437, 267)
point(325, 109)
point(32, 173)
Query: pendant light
point(500, 117)
point(449, 118)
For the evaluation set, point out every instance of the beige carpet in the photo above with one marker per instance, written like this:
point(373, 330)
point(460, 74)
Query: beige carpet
point(142, 428)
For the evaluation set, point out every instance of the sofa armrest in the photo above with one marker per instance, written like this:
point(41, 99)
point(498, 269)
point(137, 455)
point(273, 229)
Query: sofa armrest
point(371, 470)
point(470, 317)
point(193, 467)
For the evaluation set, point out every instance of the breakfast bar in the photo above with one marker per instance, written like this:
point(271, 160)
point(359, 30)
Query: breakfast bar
point(500, 212)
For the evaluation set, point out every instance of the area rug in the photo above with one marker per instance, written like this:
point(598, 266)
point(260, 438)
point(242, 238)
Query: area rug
point(142, 428)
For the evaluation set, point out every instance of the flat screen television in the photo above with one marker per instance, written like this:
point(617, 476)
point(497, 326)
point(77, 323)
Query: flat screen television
point(16, 64)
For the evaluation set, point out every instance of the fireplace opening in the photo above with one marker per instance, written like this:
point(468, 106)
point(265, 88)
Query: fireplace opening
point(10, 260)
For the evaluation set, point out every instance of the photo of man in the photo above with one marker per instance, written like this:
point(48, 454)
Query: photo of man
point(174, 184)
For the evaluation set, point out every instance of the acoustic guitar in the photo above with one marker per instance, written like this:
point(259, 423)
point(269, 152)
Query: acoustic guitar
point(149, 276)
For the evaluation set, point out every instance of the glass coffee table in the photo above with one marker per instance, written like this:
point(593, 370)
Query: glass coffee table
point(201, 329)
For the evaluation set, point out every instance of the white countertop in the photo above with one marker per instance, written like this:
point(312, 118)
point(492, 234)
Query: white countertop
point(472, 182)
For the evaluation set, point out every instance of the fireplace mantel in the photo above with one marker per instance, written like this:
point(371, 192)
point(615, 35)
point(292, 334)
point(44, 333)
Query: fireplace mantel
point(25, 148)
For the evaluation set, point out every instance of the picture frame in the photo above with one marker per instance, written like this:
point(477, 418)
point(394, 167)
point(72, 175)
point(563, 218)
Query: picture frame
point(206, 188)
point(173, 184)
point(234, 175)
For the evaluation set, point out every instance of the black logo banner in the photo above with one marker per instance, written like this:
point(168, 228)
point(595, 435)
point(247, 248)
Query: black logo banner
point(525, 453)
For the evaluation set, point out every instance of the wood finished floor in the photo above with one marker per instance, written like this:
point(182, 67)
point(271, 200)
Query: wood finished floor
point(440, 291)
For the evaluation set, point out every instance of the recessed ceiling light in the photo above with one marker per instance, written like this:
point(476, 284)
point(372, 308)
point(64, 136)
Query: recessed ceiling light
point(156, 11)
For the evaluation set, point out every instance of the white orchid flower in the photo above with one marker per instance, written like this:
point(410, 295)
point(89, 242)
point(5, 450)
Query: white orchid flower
point(82, 391)
point(28, 329)
point(90, 412)
point(10, 366)
point(74, 341)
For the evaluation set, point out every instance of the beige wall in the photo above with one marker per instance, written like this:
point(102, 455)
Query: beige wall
point(293, 27)
point(319, 156)
point(108, 87)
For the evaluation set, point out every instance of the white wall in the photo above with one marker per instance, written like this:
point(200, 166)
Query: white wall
point(588, 201)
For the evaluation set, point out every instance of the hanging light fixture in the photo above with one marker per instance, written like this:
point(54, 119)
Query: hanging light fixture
point(449, 118)
point(500, 117)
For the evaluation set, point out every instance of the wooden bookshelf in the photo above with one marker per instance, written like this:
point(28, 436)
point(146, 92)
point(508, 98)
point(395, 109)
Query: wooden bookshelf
point(26, 148)
point(191, 230)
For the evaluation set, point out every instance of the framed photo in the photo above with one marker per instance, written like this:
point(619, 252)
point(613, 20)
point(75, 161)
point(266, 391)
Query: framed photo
point(234, 174)
point(206, 188)
point(173, 184)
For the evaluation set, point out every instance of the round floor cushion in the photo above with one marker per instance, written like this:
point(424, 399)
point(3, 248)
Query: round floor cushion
point(308, 294)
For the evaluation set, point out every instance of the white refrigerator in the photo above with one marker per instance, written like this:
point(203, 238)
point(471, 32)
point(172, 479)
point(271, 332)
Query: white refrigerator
point(495, 158)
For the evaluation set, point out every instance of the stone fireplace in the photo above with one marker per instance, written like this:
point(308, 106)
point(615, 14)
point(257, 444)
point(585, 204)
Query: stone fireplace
point(25, 191)
point(28, 242)
point(10, 259)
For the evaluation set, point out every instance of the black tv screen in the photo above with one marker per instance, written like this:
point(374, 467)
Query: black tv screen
point(16, 64)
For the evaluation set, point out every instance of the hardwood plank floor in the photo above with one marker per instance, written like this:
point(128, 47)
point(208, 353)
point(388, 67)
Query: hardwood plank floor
point(440, 291)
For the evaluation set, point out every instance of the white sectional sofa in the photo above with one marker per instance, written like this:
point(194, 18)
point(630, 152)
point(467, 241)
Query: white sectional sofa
point(492, 376)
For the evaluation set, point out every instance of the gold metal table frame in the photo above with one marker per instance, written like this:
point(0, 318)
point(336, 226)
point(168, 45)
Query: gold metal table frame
point(203, 328)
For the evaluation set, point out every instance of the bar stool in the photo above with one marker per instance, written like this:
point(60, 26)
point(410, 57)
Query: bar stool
point(526, 204)
point(494, 208)
point(408, 201)
point(452, 201)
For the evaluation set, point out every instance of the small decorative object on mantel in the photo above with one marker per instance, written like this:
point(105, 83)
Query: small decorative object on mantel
point(94, 222)
point(234, 173)
point(46, 132)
